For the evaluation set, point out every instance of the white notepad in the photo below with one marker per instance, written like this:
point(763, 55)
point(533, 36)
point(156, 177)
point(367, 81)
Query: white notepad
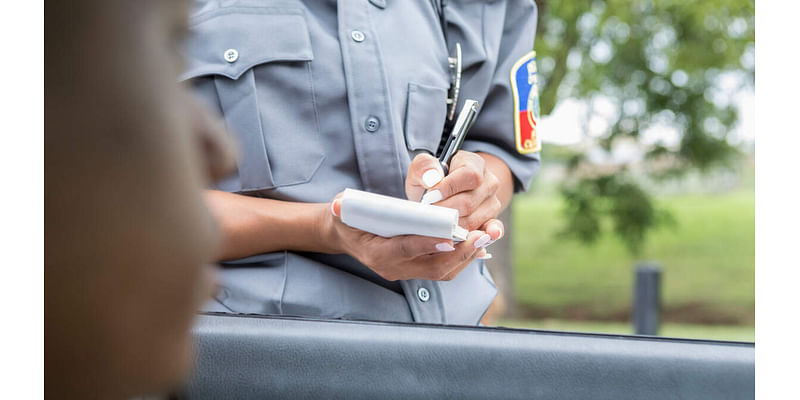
point(389, 216)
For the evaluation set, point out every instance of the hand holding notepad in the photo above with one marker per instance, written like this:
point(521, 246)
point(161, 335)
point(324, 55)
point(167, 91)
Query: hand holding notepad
point(401, 239)
point(388, 216)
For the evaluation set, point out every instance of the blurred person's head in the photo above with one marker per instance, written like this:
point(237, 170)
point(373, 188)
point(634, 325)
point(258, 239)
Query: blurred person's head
point(127, 235)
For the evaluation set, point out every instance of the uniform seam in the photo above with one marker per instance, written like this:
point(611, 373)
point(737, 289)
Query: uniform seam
point(211, 14)
point(483, 30)
point(347, 65)
point(285, 279)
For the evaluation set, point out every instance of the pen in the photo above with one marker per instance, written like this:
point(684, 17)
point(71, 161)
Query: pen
point(456, 138)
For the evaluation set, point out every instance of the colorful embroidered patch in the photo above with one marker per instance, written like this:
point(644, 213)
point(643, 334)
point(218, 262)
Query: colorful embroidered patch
point(526, 103)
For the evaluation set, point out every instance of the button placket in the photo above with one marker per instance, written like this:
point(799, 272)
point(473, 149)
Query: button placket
point(372, 124)
point(357, 36)
point(368, 98)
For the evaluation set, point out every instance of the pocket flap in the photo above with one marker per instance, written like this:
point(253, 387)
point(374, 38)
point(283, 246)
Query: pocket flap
point(228, 42)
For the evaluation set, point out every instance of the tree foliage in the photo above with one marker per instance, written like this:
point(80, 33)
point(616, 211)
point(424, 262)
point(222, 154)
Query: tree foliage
point(652, 63)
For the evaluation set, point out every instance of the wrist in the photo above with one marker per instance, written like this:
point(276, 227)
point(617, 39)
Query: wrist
point(505, 179)
point(324, 230)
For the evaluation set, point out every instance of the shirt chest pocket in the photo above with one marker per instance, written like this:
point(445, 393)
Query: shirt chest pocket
point(426, 112)
point(255, 65)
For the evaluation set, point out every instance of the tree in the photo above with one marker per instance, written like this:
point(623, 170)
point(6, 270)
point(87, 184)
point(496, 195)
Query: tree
point(651, 63)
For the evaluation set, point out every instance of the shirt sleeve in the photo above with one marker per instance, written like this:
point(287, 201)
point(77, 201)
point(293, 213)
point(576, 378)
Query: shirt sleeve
point(493, 36)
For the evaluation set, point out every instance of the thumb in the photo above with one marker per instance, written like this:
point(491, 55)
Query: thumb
point(423, 173)
point(336, 205)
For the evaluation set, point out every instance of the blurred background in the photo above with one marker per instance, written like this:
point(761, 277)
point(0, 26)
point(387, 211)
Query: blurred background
point(648, 159)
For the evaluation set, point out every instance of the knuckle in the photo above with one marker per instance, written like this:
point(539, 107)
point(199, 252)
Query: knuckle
point(478, 160)
point(465, 257)
point(496, 205)
point(475, 204)
point(418, 159)
point(464, 207)
point(458, 158)
point(472, 178)
point(478, 177)
point(474, 222)
point(493, 182)
point(450, 186)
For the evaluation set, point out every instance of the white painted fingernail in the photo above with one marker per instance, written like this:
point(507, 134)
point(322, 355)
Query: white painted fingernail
point(488, 256)
point(444, 246)
point(431, 177)
point(482, 241)
point(490, 243)
point(431, 197)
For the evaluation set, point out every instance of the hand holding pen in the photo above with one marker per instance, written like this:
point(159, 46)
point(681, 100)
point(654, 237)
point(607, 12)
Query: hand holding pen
point(460, 180)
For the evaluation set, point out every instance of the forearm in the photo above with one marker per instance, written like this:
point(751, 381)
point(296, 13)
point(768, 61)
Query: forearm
point(252, 225)
point(499, 168)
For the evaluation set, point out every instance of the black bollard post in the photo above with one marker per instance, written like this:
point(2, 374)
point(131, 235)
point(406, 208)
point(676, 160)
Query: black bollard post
point(647, 299)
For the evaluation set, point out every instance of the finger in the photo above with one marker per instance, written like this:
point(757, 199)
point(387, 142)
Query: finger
point(413, 246)
point(483, 254)
point(423, 173)
point(495, 229)
point(444, 266)
point(336, 206)
point(464, 252)
point(465, 202)
point(463, 158)
point(488, 210)
point(466, 173)
point(473, 247)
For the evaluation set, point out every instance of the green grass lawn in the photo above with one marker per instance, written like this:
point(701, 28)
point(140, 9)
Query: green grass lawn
point(744, 333)
point(708, 262)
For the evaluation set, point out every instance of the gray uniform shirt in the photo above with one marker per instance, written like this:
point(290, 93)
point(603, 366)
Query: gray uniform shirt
point(323, 95)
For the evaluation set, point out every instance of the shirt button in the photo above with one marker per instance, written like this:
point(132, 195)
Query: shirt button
point(372, 124)
point(230, 55)
point(423, 294)
point(358, 36)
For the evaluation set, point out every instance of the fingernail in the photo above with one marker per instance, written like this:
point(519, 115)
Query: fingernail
point(431, 197)
point(488, 256)
point(498, 229)
point(490, 243)
point(431, 177)
point(444, 246)
point(333, 209)
point(482, 241)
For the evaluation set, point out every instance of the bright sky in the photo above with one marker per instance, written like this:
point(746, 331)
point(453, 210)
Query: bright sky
point(565, 126)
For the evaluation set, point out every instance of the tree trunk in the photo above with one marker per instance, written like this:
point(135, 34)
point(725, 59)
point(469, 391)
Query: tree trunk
point(501, 267)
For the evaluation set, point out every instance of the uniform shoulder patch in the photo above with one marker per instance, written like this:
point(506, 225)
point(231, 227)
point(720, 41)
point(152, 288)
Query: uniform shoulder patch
point(526, 103)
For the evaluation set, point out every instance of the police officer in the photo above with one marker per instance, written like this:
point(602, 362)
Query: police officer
point(327, 95)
